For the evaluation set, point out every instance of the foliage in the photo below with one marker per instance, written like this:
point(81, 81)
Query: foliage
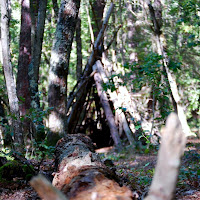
point(14, 169)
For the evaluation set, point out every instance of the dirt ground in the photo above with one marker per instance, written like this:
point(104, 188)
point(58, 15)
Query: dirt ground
point(136, 169)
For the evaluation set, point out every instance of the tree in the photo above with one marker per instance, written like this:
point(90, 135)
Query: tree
point(39, 23)
point(156, 16)
point(78, 48)
point(24, 58)
point(59, 67)
point(9, 78)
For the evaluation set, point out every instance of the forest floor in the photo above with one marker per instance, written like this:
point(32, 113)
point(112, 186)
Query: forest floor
point(136, 169)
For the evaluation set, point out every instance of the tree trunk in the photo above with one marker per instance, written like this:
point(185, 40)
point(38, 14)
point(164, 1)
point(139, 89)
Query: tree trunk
point(36, 54)
point(82, 175)
point(78, 49)
point(8, 73)
point(106, 106)
point(24, 59)
point(97, 15)
point(59, 65)
point(156, 17)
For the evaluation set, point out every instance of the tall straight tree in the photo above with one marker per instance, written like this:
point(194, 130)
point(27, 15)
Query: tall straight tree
point(59, 66)
point(78, 48)
point(156, 17)
point(8, 73)
point(37, 39)
point(24, 58)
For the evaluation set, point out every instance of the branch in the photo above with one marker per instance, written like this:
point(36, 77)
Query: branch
point(114, 36)
point(45, 189)
point(169, 159)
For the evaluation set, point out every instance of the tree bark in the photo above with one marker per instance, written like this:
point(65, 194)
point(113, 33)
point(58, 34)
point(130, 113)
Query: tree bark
point(82, 175)
point(59, 65)
point(157, 23)
point(106, 106)
point(8, 73)
point(97, 15)
point(36, 55)
point(78, 49)
point(24, 59)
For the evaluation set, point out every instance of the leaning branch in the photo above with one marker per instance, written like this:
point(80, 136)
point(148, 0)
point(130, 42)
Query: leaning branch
point(106, 106)
point(45, 189)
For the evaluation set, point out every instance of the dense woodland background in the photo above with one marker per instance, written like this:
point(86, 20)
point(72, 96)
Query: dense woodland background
point(112, 70)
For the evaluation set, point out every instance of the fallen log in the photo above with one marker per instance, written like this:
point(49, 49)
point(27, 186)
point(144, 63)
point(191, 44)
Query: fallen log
point(82, 175)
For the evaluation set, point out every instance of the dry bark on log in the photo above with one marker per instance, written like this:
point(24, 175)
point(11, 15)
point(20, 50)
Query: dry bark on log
point(82, 175)
point(166, 172)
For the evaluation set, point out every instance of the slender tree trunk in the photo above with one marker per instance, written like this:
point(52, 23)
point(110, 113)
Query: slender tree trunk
point(59, 67)
point(156, 16)
point(55, 8)
point(78, 49)
point(36, 55)
point(34, 6)
point(24, 58)
point(97, 15)
point(120, 36)
point(8, 73)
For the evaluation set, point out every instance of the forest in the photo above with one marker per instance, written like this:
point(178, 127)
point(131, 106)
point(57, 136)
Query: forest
point(99, 99)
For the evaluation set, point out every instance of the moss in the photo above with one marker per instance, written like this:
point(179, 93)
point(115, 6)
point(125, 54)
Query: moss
point(14, 169)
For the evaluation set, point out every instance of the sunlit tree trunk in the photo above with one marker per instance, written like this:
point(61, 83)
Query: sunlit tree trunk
point(156, 17)
point(8, 73)
point(59, 65)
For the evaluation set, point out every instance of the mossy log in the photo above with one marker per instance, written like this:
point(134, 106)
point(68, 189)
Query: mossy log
point(82, 175)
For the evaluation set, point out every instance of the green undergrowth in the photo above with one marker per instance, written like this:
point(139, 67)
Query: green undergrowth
point(13, 169)
point(137, 166)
